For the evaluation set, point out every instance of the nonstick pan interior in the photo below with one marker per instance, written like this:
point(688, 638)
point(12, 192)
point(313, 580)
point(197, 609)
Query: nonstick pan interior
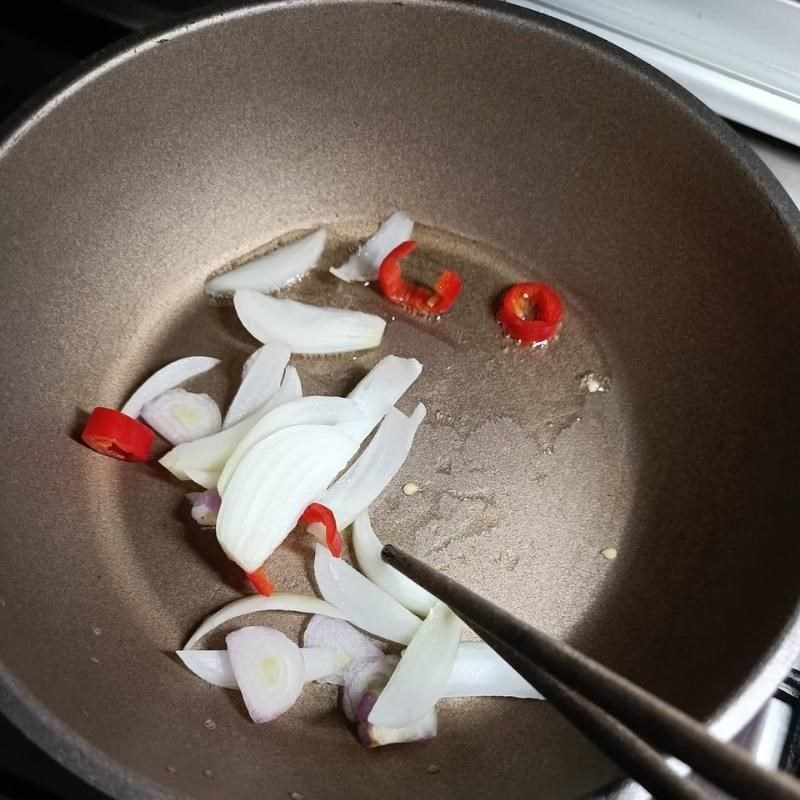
point(526, 151)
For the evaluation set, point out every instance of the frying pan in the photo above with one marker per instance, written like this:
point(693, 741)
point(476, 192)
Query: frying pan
point(526, 150)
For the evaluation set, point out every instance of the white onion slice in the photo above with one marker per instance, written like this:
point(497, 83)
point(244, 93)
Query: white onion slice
point(213, 666)
point(275, 270)
point(319, 662)
point(260, 382)
point(208, 455)
point(376, 466)
point(167, 377)
point(311, 410)
point(479, 672)
point(274, 483)
point(181, 416)
point(379, 390)
point(269, 670)
point(422, 673)
point(205, 508)
point(348, 644)
point(306, 328)
point(368, 548)
point(365, 675)
point(362, 602)
point(281, 601)
point(363, 265)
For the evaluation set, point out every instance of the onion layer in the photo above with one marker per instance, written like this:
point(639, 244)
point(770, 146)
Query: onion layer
point(300, 603)
point(479, 672)
point(379, 390)
point(274, 270)
point(421, 675)
point(362, 602)
point(368, 548)
point(377, 465)
point(213, 666)
point(259, 382)
point(296, 464)
point(306, 328)
point(363, 265)
point(167, 377)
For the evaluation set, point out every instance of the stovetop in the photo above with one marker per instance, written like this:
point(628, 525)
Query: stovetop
point(38, 42)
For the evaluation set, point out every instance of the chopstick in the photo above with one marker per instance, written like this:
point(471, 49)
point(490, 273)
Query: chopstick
point(628, 723)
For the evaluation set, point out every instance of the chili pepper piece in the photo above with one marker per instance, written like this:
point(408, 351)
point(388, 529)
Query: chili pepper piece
point(530, 312)
point(261, 583)
point(319, 514)
point(414, 296)
point(115, 434)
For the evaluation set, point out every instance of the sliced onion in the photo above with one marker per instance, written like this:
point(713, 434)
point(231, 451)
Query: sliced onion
point(368, 552)
point(260, 382)
point(362, 602)
point(319, 662)
point(479, 672)
point(311, 410)
point(275, 270)
point(274, 483)
point(379, 390)
point(205, 508)
point(269, 670)
point(209, 454)
point(213, 666)
point(422, 673)
point(375, 467)
point(207, 478)
point(306, 328)
point(365, 675)
point(181, 416)
point(348, 644)
point(376, 735)
point(363, 266)
point(301, 603)
point(166, 378)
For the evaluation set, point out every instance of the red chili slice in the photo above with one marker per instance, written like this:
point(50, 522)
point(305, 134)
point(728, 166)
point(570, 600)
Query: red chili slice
point(415, 296)
point(319, 514)
point(530, 312)
point(261, 583)
point(115, 434)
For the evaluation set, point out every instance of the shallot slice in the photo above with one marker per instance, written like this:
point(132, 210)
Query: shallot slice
point(421, 675)
point(376, 466)
point(281, 601)
point(363, 265)
point(311, 410)
point(305, 328)
point(365, 675)
point(296, 464)
point(281, 267)
point(348, 644)
point(379, 390)
point(319, 662)
point(166, 378)
point(368, 548)
point(262, 379)
point(181, 416)
point(363, 603)
point(205, 508)
point(269, 671)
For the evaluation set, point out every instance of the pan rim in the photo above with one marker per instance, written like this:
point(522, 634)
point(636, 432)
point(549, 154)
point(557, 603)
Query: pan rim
point(100, 770)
